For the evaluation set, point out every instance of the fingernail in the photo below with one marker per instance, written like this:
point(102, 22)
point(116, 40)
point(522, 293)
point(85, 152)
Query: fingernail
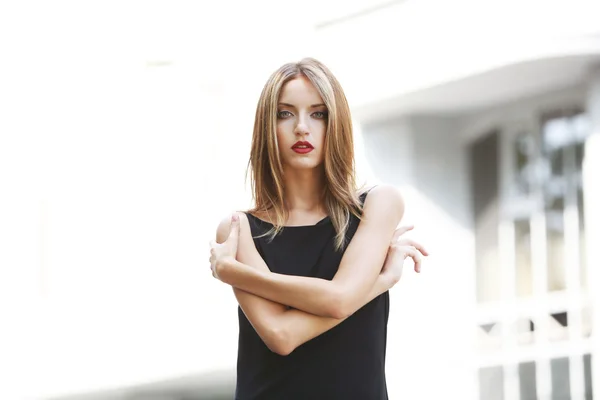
point(234, 218)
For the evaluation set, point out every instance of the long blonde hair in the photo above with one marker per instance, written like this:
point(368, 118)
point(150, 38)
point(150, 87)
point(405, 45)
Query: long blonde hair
point(340, 193)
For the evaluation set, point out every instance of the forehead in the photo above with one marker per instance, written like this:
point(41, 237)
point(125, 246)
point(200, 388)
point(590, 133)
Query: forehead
point(300, 90)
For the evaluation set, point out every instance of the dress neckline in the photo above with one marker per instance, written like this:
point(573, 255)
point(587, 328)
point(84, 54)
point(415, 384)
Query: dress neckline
point(320, 222)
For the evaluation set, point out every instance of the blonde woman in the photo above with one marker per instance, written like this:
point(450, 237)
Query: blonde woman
point(311, 264)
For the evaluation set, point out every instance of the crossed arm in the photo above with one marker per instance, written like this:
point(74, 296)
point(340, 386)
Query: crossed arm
point(318, 304)
point(280, 328)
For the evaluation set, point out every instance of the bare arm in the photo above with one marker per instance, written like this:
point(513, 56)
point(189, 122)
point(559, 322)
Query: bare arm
point(282, 329)
point(356, 276)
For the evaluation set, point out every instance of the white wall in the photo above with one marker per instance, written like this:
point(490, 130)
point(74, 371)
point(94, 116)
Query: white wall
point(388, 151)
point(124, 139)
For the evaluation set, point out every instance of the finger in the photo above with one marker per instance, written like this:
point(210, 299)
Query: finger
point(234, 229)
point(401, 231)
point(416, 245)
point(415, 255)
point(212, 244)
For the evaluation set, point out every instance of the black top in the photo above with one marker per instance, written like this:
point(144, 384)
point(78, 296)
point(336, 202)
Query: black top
point(347, 362)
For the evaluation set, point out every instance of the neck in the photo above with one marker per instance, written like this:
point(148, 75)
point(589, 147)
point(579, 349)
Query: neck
point(303, 189)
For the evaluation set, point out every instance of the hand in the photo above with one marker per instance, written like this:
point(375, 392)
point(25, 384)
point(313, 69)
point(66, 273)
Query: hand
point(399, 250)
point(220, 253)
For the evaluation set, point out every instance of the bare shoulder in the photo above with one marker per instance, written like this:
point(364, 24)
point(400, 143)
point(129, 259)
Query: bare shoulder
point(384, 200)
point(225, 226)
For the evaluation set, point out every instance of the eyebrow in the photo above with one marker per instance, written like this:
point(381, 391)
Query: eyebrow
point(292, 106)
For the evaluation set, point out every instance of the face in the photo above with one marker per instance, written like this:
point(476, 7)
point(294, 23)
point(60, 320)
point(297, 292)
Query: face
point(301, 125)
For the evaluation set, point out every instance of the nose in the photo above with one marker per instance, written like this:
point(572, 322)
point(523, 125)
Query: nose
point(301, 127)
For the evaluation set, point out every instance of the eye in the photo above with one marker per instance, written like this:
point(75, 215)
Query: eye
point(320, 114)
point(284, 114)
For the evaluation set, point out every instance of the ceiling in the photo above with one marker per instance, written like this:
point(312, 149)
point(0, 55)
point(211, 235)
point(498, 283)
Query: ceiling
point(496, 86)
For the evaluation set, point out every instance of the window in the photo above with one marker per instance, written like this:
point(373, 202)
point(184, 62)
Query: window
point(530, 244)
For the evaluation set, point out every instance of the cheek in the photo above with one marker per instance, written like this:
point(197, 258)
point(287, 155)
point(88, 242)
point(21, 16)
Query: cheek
point(284, 128)
point(320, 132)
point(280, 132)
point(282, 139)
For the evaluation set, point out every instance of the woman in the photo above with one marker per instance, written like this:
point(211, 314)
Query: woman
point(311, 264)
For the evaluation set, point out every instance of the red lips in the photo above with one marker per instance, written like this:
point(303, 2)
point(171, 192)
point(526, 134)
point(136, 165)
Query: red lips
point(302, 147)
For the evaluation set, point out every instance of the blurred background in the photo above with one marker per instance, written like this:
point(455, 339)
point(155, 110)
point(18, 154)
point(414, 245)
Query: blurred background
point(124, 136)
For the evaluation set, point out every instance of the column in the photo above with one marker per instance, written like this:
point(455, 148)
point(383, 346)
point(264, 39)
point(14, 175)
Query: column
point(591, 185)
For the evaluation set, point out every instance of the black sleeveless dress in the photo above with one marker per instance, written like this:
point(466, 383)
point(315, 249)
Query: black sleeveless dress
point(347, 362)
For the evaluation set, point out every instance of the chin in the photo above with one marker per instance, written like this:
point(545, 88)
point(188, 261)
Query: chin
point(305, 164)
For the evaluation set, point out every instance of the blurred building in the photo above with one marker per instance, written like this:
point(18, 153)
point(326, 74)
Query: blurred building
point(488, 113)
point(485, 113)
